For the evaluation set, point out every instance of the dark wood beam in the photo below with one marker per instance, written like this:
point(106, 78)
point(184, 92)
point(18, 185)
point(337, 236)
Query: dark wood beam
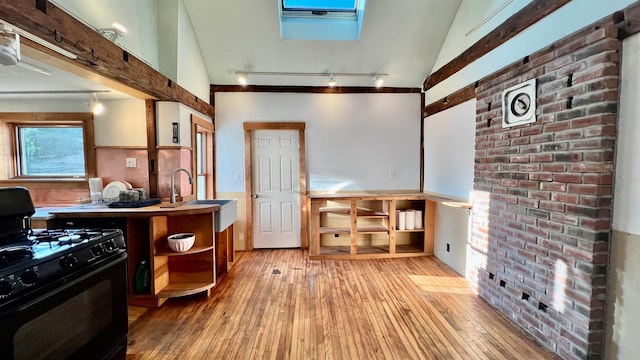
point(527, 16)
point(94, 52)
point(628, 20)
point(310, 89)
point(152, 148)
point(465, 94)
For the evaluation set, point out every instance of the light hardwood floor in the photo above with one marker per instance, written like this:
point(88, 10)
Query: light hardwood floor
point(277, 304)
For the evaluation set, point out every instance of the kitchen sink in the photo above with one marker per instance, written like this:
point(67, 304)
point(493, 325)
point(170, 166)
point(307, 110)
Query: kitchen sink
point(224, 217)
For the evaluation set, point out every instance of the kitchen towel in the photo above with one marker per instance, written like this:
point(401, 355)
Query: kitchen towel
point(418, 221)
point(401, 220)
point(410, 219)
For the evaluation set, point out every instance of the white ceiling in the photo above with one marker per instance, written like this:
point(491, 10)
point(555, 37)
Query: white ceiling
point(401, 38)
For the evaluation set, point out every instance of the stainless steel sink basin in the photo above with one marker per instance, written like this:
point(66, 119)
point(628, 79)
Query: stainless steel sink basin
point(224, 217)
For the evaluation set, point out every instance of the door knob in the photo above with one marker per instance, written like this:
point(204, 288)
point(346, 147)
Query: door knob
point(255, 196)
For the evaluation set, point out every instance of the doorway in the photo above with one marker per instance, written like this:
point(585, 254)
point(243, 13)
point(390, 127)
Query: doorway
point(275, 185)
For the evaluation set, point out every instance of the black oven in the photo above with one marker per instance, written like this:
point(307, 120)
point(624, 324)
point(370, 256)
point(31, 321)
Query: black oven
point(63, 293)
point(83, 316)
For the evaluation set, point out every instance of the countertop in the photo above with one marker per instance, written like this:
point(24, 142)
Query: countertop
point(92, 211)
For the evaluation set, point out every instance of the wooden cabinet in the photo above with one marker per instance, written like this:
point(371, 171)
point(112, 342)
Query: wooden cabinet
point(366, 226)
point(172, 274)
point(183, 273)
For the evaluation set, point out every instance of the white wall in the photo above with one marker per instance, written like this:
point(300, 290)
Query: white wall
point(564, 21)
point(192, 74)
point(139, 17)
point(169, 112)
point(449, 150)
point(352, 140)
point(623, 306)
point(123, 123)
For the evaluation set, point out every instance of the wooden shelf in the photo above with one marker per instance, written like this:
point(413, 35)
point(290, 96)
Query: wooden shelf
point(335, 230)
point(193, 250)
point(370, 220)
point(183, 289)
point(372, 230)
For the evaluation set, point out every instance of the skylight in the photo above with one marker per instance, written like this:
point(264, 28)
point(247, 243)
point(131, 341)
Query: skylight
point(320, 5)
point(321, 19)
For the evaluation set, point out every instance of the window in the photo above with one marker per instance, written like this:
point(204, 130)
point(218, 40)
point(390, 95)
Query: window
point(50, 151)
point(320, 5)
point(47, 147)
point(339, 20)
point(202, 142)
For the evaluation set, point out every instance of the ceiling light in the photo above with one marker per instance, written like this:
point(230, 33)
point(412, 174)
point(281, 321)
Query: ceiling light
point(379, 78)
point(378, 81)
point(332, 81)
point(95, 105)
point(242, 79)
point(6, 27)
point(114, 32)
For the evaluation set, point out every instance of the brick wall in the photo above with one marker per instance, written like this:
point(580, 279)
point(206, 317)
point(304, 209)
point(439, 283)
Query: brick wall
point(543, 192)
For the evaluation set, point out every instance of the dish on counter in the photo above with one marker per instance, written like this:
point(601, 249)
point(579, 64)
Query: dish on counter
point(112, 190)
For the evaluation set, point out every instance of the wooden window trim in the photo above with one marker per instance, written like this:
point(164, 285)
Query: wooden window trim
point(8, 155)
point(199, 124)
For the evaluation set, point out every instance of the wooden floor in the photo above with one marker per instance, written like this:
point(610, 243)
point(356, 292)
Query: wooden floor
point(276, 304)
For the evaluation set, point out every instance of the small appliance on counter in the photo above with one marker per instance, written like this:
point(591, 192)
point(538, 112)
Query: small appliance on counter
point(65, 288)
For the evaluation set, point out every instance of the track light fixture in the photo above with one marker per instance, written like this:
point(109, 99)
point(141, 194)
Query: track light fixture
point(95, 105)
point(243, 76)
point(332, 81)
point(114, 32)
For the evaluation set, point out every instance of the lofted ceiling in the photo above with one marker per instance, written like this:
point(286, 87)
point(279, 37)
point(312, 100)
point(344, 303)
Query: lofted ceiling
point(398, 38)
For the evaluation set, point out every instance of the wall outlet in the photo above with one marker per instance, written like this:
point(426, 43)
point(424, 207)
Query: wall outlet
point(392, 174)
point(241, 236)
point(131, 162)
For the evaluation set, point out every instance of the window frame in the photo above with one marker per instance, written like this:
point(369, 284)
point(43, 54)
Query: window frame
point(207, 128)
point(9, 172)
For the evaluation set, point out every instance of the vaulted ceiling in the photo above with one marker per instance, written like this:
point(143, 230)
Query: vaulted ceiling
point(399, 38)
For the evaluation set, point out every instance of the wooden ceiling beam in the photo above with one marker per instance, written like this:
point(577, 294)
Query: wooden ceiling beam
point(95, 53)
point(527, 16)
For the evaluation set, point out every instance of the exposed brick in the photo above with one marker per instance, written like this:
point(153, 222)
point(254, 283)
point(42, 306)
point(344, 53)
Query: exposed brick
point(570, 114)
point(568, 178)
point(552, 205)
point(566, 157)
point(541, 176)
point(541, 157)
point(569, 134)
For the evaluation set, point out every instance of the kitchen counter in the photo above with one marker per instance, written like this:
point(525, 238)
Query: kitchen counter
point(171, 274)
point(96, 211)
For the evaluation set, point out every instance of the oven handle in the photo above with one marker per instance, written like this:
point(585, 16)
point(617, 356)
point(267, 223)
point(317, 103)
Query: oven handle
point(75, 281)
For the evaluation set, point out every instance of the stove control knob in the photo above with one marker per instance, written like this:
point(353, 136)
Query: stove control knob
point(29, 277)
point(97, 250)
point(6, 288)
point(110, 245)
point(68, 262)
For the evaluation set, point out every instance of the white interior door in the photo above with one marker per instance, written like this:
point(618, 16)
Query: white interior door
point(275, 188)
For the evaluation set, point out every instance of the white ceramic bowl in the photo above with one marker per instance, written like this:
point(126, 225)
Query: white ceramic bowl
point(181, 242)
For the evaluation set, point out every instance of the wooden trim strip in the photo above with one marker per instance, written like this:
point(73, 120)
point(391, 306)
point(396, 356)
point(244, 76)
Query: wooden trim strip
point(465, 94)
point(527, 16)
point(312, 89)
point(121, 147)
point(95, 53)
point(273, 126)
point(152, 150)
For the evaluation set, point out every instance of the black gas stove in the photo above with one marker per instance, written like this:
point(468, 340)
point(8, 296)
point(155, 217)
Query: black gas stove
point(66, 288)
point(40, 256)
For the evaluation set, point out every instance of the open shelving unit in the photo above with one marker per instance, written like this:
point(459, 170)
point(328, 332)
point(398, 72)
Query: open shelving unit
point(345, 226)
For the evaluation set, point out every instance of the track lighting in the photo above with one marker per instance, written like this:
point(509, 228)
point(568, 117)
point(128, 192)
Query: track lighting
point(95, 105)
point(243, 76)
point(332, 81)
point(242, 79)
point(378, 81)
point(114, 32)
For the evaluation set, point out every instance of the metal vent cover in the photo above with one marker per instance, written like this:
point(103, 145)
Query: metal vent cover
point(519, 104)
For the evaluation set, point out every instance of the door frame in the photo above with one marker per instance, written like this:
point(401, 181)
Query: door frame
point(248, 128)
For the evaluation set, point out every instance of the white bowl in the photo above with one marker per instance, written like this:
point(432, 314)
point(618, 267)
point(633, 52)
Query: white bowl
point(181, 242)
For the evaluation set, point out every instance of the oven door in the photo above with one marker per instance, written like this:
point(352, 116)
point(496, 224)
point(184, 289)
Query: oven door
point(82, 316)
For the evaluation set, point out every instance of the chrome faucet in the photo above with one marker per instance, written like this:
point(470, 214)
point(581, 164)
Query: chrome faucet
point(173, 182)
